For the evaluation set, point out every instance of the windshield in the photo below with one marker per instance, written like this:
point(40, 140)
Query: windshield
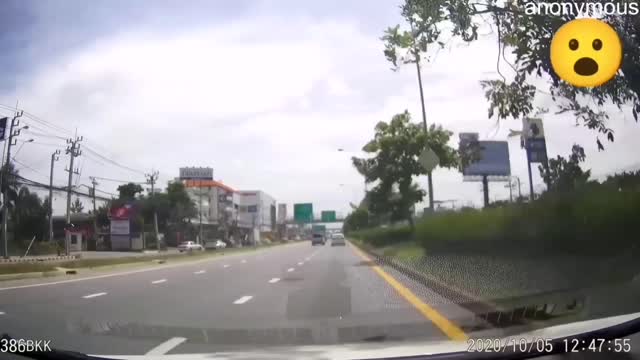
point(185, 177)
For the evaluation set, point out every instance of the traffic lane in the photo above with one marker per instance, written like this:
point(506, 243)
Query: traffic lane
point(142, 311)
point(64, 295)
point(333, 298)
point(51, 290)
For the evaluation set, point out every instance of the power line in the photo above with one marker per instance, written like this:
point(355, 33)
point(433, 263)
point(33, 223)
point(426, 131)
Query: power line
point(113, 162)
point(24, 181)
point(120, 181)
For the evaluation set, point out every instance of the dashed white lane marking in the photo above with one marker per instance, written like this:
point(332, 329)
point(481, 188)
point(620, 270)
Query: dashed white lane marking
point(243, 299)
point(300, 263)
point(243, 261)
point(226, 265)
point(199, 272)
point(94, 295)
point(166, 346)
point(159, 281)
point(290, 269)
point(274, 280)
point(307, 259)
point(2, 313)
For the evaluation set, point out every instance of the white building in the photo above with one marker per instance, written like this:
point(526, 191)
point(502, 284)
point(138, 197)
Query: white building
point(256, 209)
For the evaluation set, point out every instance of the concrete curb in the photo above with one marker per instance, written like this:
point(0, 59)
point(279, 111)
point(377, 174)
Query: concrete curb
point(39, 259)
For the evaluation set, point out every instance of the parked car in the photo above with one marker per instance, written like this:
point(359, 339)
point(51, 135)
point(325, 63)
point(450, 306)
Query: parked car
point(190, 246)
point(220, 244)
point(337, 240)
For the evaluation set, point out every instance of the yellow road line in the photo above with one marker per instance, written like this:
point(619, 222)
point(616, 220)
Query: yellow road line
point(444, 324)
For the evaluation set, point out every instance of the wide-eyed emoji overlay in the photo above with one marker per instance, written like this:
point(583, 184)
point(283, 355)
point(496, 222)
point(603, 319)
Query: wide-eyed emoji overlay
point(586, 52)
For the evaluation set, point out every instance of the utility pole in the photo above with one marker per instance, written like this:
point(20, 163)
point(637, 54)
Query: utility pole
point(54, 158)
point(73, 149)
point(151, 179)
point(95, 215)
point(200, 211)
point(510, 185)
point(5, 197)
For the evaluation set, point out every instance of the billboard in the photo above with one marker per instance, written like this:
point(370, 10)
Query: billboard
point(535, 143)
point(303, 213)
point(492, 159)
point(282, 213)
point(196, 173)
point(328, 216)
point(121, 213)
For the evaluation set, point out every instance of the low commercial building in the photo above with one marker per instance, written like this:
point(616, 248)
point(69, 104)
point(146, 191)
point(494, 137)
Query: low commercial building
point(257, 209)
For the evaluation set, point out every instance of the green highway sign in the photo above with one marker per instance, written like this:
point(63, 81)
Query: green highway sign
point(328, 216)
point(303, 213)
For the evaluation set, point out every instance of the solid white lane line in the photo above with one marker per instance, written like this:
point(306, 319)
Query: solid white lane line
point(290, 269)
point(274, 280)
point(94, 295)
point(166, 346)
point(199, 272)
point(300, 263)
point(159, 281)
point(243, 299)
point(226, 265)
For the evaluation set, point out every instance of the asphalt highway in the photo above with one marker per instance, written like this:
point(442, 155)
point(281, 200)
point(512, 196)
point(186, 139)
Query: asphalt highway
point(294, 294)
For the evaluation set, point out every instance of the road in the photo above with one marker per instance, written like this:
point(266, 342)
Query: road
point(294, 294)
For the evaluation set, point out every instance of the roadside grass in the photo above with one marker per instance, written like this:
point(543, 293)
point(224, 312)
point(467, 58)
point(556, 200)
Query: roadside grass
point(408, 251)
point(17, 268)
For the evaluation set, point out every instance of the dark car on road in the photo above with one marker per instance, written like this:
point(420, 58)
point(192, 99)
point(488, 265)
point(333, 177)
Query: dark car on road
point(317, 239)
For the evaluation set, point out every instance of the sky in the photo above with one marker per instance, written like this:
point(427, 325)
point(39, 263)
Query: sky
point(264, 92)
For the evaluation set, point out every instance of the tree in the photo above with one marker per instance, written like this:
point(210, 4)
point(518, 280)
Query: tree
point(395, 149)
point(29, 216)
point(77, 206)
point(9, 182)
point(565, 175)
point(129, 191)
point(528, 36)
point(358, 219)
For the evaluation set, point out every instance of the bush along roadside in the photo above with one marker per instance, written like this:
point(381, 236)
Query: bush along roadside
point(560, 241)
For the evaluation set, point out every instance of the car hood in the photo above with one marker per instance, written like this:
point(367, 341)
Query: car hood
point(400, 349)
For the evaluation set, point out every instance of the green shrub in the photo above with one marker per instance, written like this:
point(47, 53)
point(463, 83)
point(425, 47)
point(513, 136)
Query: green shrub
point(596, 222)
point(587, 223)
